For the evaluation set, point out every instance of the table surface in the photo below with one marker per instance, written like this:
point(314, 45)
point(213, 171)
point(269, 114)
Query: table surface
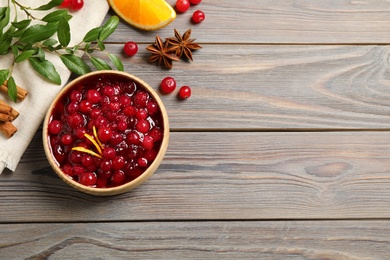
point(282, 152)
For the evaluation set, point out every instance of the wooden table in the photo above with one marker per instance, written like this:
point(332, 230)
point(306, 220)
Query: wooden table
point(282, 152)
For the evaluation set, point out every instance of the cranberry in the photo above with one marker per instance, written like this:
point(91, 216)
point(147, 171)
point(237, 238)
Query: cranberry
point(156, 134)
point(65, 3)
point(143, 126)
point(125, 101)
point(118, 176)
point(151, 155)
point(133, 138)
point(93, 96)
point(106, 165)
point(101, 182)
point(182, 5)
point(66, 139)
point(195, 2)
point(79, 133)
point(142, 162)
point(104, 134)
point(75, 96)
point(118, 162)
point(76, 5)
point(168, 85)
point(130, 48)
point(55, 127)
point(78, 169)
point(88, 179)
point(152, 107)
point(129, 111)
point(198, 16)
point(72, 108)
point(141, 114)
point(185, 92)
point(148, 142)
point(95, 113)
point(140, 99)
point(109, 153)
point(116, 138)
point(122, 125)
point(85, 106)
point(108, 91)
point(68, 169)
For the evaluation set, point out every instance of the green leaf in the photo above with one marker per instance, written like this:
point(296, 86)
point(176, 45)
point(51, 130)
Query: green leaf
point(3, 75)
point(92, 35)
point(5, 43)
point(63, 32)
point(41, 54)
point(12, 90)
point(75, 64)
point(38, 32)
point(17, 33)
point(56, 16)
point(24, 56)
point(21, 24)
point(50, 42)
point(5, 18)
point(46, 69)
point(15, 50)
point(109, 27)
point(100, 64)
point(101, 45)
point(116, 61)
point(49, 5)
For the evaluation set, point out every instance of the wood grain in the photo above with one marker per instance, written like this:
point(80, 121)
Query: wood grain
point(223, 176)
point(252, 87)
point(279, 22)
point(338, 240)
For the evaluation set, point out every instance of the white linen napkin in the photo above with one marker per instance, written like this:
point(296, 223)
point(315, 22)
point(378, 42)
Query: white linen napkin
point(41, 92)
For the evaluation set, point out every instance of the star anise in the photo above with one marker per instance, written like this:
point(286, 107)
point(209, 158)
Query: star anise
point(162, 53)
point(183, 44)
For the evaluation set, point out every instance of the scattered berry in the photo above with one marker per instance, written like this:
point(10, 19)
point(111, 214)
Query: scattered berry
point(130, 48)
point(198, 16)
point(76, 5)
point(195, 2)
point(182, 5)
point(65, 3)
point(168, 85)
point(185, 92)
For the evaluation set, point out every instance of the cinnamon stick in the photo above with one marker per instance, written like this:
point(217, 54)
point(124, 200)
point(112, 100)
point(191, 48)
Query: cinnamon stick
point(7, 129)
point(13, 114)
point(21, 92)
point(5, 112)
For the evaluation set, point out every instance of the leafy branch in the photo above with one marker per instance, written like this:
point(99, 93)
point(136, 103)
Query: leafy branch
point(51, 34)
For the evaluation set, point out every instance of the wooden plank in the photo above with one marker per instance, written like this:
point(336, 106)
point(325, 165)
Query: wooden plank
point(198, 240)
point(275, 87)
point(313, 175)
point(278, 21)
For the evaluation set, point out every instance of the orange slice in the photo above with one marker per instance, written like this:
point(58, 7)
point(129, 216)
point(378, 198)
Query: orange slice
point(144, 14)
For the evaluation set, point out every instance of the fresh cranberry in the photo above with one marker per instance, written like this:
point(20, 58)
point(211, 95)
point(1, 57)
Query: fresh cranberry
point(141, 114)
point(185, 92)
point(101, 182)
point(118, 162)
point(78, 169)
point(65, 3)
point(195, 2)
point(75, 120)
point(130, 48)
point(68, 169)
point(85, 106)
point(156, 134)
point(143, 126)
point(93, 96)
point(142, 162)
point(168, 85)
point(198, 16)
point(125, 101)
point(151, 155)
point(118, 177)
point(116, 138)
point(104, 134)
point(129, 111)
point(76, 5)
point(106, 165)
point(140, 99)
point(55, 127)
point(109, 153)
point(72, 108)
point(79, 133)
point(182, 5)
point(152, 107)
point(122, 126)
point(75, 96)
point(95, 113)
point(88, 179)
point(108, 91)
point(66, 139)
point(148, 142)
point(133, 138)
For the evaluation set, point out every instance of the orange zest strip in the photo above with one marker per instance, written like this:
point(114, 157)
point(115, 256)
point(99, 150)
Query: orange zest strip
point(90, 138)
point(85, 150)
point(96, 137)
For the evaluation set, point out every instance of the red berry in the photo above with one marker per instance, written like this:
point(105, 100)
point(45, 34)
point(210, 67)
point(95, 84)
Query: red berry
point(88, 179)
point(118, 177)
point(85, 106)
point(185, 92)
point(66, 139)
point(143, 126)
point(130, 48)
point(65, 3)
point(182, 5)
point(195, 2)
point(76, 5)
point(118, 162)
point(93, 96)
point(148, 142)
point(142, 162)
point(168, 85)
point(198, 16)
point(104, 134)
point(54, 127)
point(109, 153)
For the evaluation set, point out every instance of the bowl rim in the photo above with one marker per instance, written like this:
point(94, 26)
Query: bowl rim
point(129, 185)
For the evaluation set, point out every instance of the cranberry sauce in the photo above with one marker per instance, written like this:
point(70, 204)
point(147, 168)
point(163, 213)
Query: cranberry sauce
point(105, 131)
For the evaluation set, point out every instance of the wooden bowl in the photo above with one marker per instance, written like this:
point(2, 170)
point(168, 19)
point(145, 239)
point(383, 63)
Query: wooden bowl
point(147, 172)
